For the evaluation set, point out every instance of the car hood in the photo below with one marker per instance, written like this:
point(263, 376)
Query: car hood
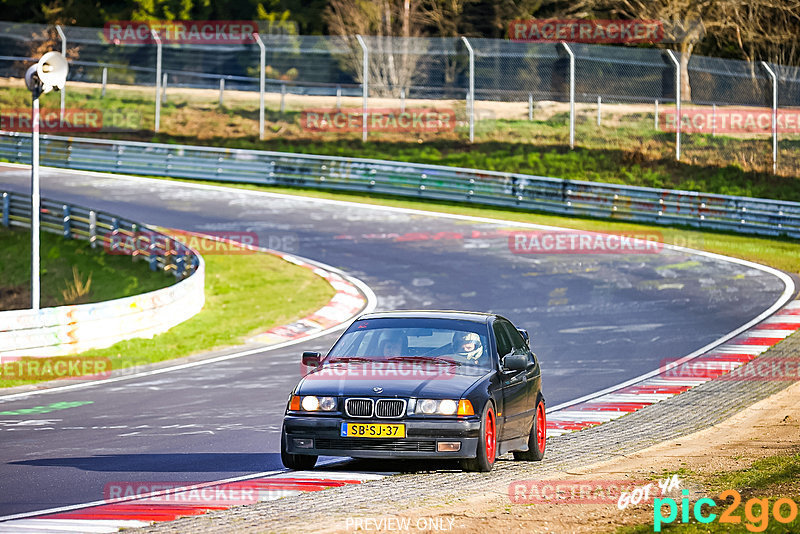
point(344, 380)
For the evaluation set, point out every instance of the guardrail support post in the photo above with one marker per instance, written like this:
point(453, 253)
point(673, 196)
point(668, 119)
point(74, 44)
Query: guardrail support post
point(364, 85)
point(283, 98)
point(221, 92)
point(67, 221)
point(261, 84)
point(63, 53)
point(571, 94)
point(105, 79)
point(471, 102)
point(6, 206)
point(774, 79)
point(677, 64)
point(93, 228)
point(154, 33)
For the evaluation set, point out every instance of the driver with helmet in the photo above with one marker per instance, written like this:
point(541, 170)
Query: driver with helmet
point(468, 345)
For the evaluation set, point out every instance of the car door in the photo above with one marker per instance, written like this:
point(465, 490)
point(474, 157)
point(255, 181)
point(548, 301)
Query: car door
point(527, 409)
point(513, 386)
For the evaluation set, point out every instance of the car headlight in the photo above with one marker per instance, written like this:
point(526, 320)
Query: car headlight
point(327, 404)
point(447, 407)
point(312, 403)
point(439, 407)
point(427, 406)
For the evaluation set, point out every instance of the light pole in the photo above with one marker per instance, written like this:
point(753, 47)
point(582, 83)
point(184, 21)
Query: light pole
point(48, 74)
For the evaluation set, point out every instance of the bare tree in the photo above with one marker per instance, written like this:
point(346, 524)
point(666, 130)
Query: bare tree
point(393, 61)
point(761, 29)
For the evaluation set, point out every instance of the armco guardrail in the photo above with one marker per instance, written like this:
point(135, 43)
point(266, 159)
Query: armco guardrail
point(71, 329)
point(566, 197)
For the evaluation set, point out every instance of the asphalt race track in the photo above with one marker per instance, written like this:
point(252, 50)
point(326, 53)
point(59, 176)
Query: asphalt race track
point(596, 320)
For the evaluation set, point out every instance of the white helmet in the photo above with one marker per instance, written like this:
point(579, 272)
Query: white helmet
point(468, 345)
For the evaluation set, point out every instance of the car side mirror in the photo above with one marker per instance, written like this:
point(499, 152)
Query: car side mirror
point(311, 359)
point(515, 362)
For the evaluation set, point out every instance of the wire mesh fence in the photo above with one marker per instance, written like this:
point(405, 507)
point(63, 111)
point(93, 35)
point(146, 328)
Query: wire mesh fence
point(544, 93)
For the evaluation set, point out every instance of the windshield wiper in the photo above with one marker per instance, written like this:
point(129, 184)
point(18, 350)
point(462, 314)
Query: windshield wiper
point(346, 359)
point(425, 359)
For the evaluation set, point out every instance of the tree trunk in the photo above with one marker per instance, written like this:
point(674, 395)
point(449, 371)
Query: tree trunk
point(686, 53)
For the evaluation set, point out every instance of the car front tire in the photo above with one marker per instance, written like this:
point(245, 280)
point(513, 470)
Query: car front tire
point(538, 437)
point(487, 443)
point(298, 462)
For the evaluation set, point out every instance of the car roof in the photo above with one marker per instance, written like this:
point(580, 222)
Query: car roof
point(478, 317)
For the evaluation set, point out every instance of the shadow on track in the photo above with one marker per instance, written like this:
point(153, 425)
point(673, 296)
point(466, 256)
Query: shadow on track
point(207, 462)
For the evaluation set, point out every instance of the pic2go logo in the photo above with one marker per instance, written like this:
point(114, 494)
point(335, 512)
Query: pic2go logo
point(783, 511)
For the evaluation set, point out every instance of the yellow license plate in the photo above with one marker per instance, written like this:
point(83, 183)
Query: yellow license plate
point(368, 430)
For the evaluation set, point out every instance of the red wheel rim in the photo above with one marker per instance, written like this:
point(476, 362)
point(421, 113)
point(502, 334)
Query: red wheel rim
point(490, 436)
point(541, 427)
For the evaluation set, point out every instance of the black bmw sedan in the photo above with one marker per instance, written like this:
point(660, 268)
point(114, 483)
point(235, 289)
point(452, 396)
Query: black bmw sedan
point(419, 384)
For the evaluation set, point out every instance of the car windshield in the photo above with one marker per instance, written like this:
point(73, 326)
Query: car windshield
point(431, 341)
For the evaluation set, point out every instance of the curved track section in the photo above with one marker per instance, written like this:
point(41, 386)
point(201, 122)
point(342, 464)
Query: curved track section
point(597, 320)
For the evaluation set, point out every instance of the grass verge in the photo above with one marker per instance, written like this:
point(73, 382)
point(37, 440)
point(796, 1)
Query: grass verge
point(245, 293)
point(68, 266)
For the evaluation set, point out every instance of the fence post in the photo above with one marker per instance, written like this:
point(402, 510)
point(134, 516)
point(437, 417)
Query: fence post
point(599, 103)
point(364, 85)
point(402, 100)
point(261, 84)
point(105, 79)
point(154, 33)
point(530, 106)
point(713, 120)
point(221, 92)
point(338, 97)
point(655, 117)
point(283, 97)
point(677, 64)
point(164, 87)
point(471, 102)
point(774, 115)
point(63, 53)
point(571, 94)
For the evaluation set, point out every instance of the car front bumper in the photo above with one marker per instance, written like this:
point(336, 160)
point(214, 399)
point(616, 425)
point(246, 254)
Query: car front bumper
point(421, 441)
